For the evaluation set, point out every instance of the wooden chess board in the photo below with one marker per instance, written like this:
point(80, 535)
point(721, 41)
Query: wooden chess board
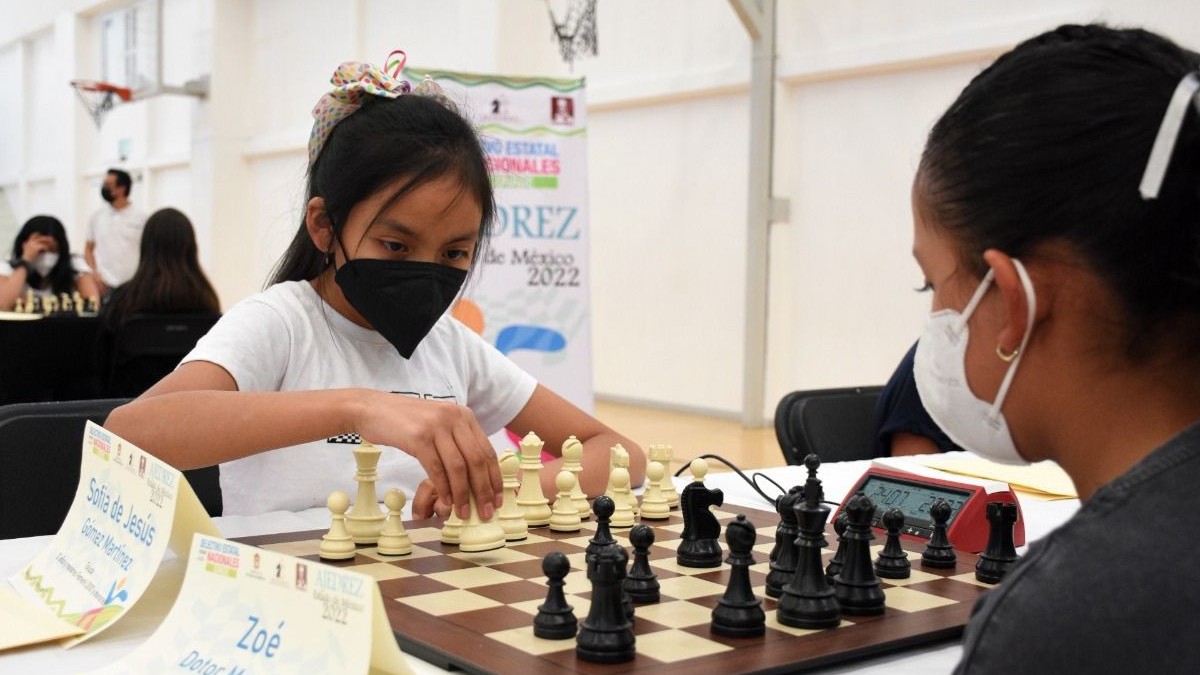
point(474, 611)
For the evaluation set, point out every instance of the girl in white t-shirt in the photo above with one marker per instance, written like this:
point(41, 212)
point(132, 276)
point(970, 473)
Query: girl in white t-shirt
point(352, 340)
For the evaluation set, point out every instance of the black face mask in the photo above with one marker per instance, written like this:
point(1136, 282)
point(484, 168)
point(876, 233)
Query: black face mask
point(399, 298)
point(106, 194)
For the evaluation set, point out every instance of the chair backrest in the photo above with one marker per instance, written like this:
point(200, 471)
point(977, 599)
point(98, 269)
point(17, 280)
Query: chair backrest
point(148, 346)
point(39, 450)
point(836, 424)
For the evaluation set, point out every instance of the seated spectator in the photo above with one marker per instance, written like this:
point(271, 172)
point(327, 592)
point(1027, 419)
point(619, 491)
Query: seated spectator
point(42, 262)
point(902, 426)
point(168, 280)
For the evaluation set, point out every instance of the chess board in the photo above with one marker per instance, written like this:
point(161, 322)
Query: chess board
point(474, 611)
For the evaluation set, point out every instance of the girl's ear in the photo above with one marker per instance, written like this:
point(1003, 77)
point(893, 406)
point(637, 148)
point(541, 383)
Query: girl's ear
point(320, 227)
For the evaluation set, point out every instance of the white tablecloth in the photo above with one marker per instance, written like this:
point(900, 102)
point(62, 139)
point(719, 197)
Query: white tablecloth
point(1040, 518)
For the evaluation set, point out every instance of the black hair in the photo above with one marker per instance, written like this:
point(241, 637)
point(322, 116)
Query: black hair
point(413, 137)
point(61, 278)
point(169, 278)
point(123, 180)
point(1048, 146)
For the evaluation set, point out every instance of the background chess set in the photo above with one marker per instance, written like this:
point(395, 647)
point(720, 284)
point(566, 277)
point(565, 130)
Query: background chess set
point(64, 304)
point(475, 611)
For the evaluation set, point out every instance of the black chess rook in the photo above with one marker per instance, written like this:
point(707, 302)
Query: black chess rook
point(606, 635)
point(1001, 554)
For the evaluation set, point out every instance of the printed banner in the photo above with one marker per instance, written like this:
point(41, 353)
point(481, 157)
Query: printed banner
point(267, 612)
point(530, 297)
point(128, 509)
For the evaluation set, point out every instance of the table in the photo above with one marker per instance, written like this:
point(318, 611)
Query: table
point(49, 359)
point(1041, 518)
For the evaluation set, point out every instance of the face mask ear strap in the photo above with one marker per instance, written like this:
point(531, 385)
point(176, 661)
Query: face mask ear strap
point(1030, 311)
point(976, 299)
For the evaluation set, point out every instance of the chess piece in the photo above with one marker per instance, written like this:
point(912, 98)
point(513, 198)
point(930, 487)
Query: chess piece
point(452, 529)
point(555, 618)
point(603, 507)
point(641, 584)
point(662, 455)
point(534, 505)
point(618, 463)
point(654, 503)
point(64, 303)
point(572, 452)
point(77, 301)
point(856, 586)
point(623, 514)
point(939, 553)
point(783, 555)
point(19, 307)
point(337, 544)
point(564, 517)
point(478, 534)
point(1000, 554)
point(698, 545)
point(393, 540)
point(808, 600)
point(738, 613)
point(835, 563)
point(606, 635)
point(365, 520)
point(511, 518)
point(892, 561)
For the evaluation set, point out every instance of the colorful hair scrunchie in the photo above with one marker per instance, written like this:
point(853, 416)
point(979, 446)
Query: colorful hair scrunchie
point(352, 81)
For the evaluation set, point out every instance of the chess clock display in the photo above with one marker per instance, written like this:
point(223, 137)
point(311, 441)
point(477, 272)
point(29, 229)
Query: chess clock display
point(915, 493)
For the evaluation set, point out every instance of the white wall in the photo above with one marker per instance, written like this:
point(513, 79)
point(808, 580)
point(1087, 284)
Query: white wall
point(859, 84)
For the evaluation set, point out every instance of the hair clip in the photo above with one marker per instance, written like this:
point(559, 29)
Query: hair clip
point(1168, 133)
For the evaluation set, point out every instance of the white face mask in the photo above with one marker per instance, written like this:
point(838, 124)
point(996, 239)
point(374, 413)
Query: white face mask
point(45, 262)
point(939, 367)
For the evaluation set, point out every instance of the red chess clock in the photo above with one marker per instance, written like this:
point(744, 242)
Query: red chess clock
point(914, 493)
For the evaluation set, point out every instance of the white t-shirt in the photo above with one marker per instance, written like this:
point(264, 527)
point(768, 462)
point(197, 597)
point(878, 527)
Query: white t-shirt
point(117, 235)
point(288, 339)
point(77, 262)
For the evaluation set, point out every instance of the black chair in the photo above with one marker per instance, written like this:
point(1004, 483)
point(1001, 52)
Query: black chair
point(148, 346)
point(39, 448)
point(836, 424)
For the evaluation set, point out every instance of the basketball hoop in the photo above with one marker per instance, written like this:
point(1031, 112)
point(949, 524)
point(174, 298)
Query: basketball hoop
point(576, 33)
point(99, 97)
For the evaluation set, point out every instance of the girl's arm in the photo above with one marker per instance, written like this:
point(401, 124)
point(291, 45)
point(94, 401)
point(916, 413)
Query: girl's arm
point(11, 288)
point(195, 417)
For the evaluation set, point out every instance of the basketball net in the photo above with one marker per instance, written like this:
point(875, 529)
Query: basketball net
point(99, 97)
point(576, 33)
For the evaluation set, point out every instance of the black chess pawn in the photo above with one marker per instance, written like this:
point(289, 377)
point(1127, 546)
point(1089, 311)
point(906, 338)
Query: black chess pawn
point(738, 613)
point(856, 586)
point(641, 584)
point(783, 555)
point(892, 561)
point(1000, 554)
point(835, 563)
point(603, 506)
point(606, 636)
point(808, 600)
point(698, 544)
point(939, 553)
point(555, 619)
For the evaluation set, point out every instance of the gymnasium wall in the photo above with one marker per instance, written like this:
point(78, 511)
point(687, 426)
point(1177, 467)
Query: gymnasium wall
point(858, 85)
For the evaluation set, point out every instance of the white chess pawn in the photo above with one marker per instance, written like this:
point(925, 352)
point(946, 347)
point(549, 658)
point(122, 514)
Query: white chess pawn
point(618, 456)
point(510, 516)
point(534, 505)
point(337, 544)
point(393, 540)
point(623, 513)
point(478, 534)
point(565, 516)
point(572, 452)
point(654, 504)
point(452, 528)
point(366, 520)
point(19, 308)
point(662, 455)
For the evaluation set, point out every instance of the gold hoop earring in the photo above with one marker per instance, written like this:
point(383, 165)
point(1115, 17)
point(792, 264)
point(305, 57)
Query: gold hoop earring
point(1007, 358)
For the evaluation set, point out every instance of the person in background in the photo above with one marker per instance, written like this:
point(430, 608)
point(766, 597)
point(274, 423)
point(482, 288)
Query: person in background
point(1056, 218)
point(42, 262)
point(352, 340)
point(114, 233)
point(168, 280)
point(901, 423)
